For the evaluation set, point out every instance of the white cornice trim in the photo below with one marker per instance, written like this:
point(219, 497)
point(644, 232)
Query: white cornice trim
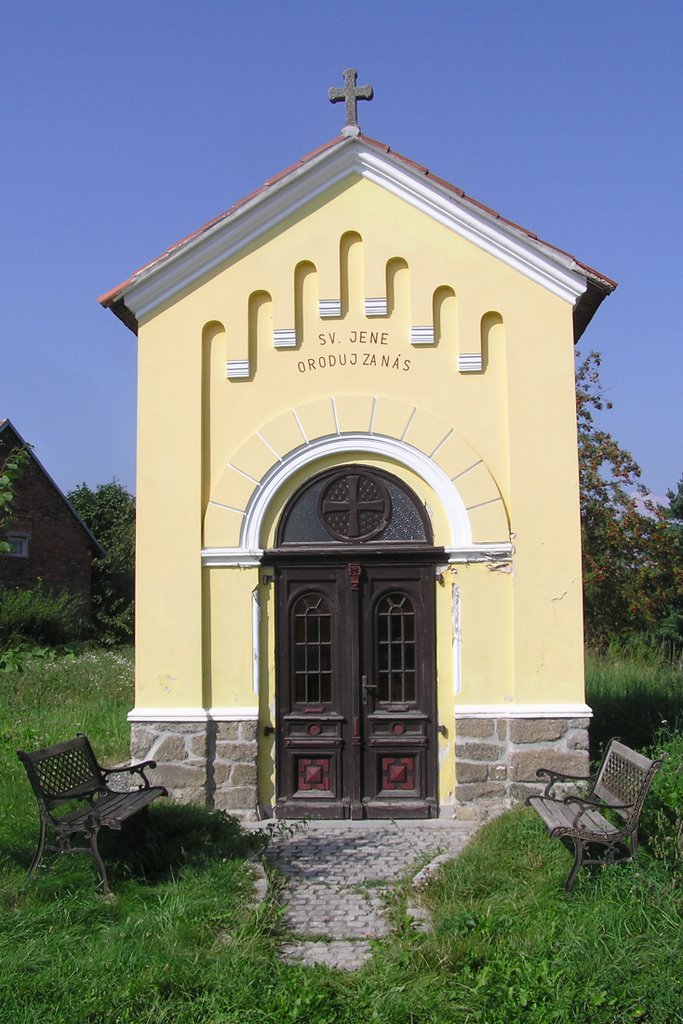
point(247, 558)
point(237, 558)
point(523, 711)
point(230, 714)
point(198, 256)
point(480, 553)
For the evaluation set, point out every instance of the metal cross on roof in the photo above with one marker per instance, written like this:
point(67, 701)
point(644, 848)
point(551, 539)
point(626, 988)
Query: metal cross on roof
point(350, 94)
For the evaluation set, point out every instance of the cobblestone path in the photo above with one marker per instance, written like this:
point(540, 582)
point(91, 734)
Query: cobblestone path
point(337, 874)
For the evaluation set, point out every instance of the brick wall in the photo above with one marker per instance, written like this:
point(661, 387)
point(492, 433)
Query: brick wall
point(59, 549)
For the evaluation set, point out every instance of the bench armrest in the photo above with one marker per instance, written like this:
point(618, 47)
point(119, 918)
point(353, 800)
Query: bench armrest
point(586, 803)
point(554, 777)
point(132, 769)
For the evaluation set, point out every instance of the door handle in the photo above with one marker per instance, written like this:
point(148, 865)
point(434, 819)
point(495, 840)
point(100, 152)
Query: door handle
point(367, 686)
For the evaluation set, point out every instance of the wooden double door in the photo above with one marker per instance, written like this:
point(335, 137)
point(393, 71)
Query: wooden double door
point(356, 690)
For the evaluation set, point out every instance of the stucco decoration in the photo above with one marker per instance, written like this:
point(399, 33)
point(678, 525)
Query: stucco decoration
point(305, 435)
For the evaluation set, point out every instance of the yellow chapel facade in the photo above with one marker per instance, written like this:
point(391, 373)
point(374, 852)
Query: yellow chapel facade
point(358, 549)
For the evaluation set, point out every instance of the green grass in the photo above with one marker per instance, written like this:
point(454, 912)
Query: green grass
point(181, 942)
point(633, 691)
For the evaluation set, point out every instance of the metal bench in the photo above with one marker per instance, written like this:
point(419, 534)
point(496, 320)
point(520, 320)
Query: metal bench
point(601, 826)
point(69, 773)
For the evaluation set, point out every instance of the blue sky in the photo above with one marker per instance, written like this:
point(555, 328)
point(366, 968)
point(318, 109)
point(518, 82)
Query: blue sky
point(127, 125)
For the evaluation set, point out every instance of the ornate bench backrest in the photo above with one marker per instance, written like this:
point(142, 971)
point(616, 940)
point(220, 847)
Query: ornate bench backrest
point(62, 772)
point(625, 777)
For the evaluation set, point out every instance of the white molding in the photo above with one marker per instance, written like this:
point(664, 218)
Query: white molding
point(192, 259)
point(284, 337)
point(329, 308)
point(480, 553)
point(255, 641)
point(230, 714)
point(360, 443)
point(456, 626)
point(233, 714)
point(422, 335)
point(522, 711)
point(247, 558)
point(376, 307)
point(237, 369)
point(239, 558)
point(470, 362)
point(553, 270)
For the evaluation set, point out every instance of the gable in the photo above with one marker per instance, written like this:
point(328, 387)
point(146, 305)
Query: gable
point(289, 195)
point(50, 495)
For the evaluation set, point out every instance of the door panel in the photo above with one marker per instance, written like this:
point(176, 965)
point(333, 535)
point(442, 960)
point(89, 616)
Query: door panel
point(355, 691)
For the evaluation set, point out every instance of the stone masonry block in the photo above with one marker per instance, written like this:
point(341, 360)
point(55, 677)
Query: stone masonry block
point(242, 798)
point(577, 739)
point(466, 771)
point(489, 752)
point(519, 791)
point(180, 727)
point(478, 791)
point(248, 731)
point(199, 745)
point(188, 796)
point(227, 730)
point(242, 752)
point(502, 728)
point(580, 723)
point(178, 776)
point(141, 742)
point(171, 748)
point(526, 762)
point(477, 727)
point(221, 772)
point(243, 775)
point(537, 730)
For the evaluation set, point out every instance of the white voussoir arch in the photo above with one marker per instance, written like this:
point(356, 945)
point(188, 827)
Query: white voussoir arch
point(351, 444)
point(255, 477)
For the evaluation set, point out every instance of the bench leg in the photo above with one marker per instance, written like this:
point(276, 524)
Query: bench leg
point(98, 860)
point(39, 852)
point(578, 861)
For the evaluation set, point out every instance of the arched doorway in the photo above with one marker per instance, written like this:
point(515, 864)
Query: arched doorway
point(355, 649)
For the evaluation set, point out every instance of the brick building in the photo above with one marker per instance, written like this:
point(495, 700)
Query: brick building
point(48, 539)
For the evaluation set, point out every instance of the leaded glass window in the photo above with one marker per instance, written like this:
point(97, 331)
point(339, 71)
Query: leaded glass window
point(396, 653)
point(312, 644)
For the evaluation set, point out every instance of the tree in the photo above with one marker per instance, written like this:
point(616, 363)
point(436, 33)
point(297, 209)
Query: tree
point(629, 575)
point(109, 512)
point(672, 625)
point(10, 468)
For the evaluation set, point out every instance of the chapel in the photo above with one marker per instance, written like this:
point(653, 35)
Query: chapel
point(358, 540)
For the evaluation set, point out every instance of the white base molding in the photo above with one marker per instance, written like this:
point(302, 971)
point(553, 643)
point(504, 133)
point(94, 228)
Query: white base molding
point(193, 714)
point(523, 711)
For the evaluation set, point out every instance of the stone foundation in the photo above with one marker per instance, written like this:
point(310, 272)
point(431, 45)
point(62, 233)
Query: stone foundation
point(496, 759)
point(213, 764)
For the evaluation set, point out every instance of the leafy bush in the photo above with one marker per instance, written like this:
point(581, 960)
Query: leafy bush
point(109, 511)
point(662, 817)
point(37, 616)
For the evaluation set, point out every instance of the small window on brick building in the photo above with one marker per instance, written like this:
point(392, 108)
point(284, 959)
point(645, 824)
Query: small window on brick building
point(18, 544)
